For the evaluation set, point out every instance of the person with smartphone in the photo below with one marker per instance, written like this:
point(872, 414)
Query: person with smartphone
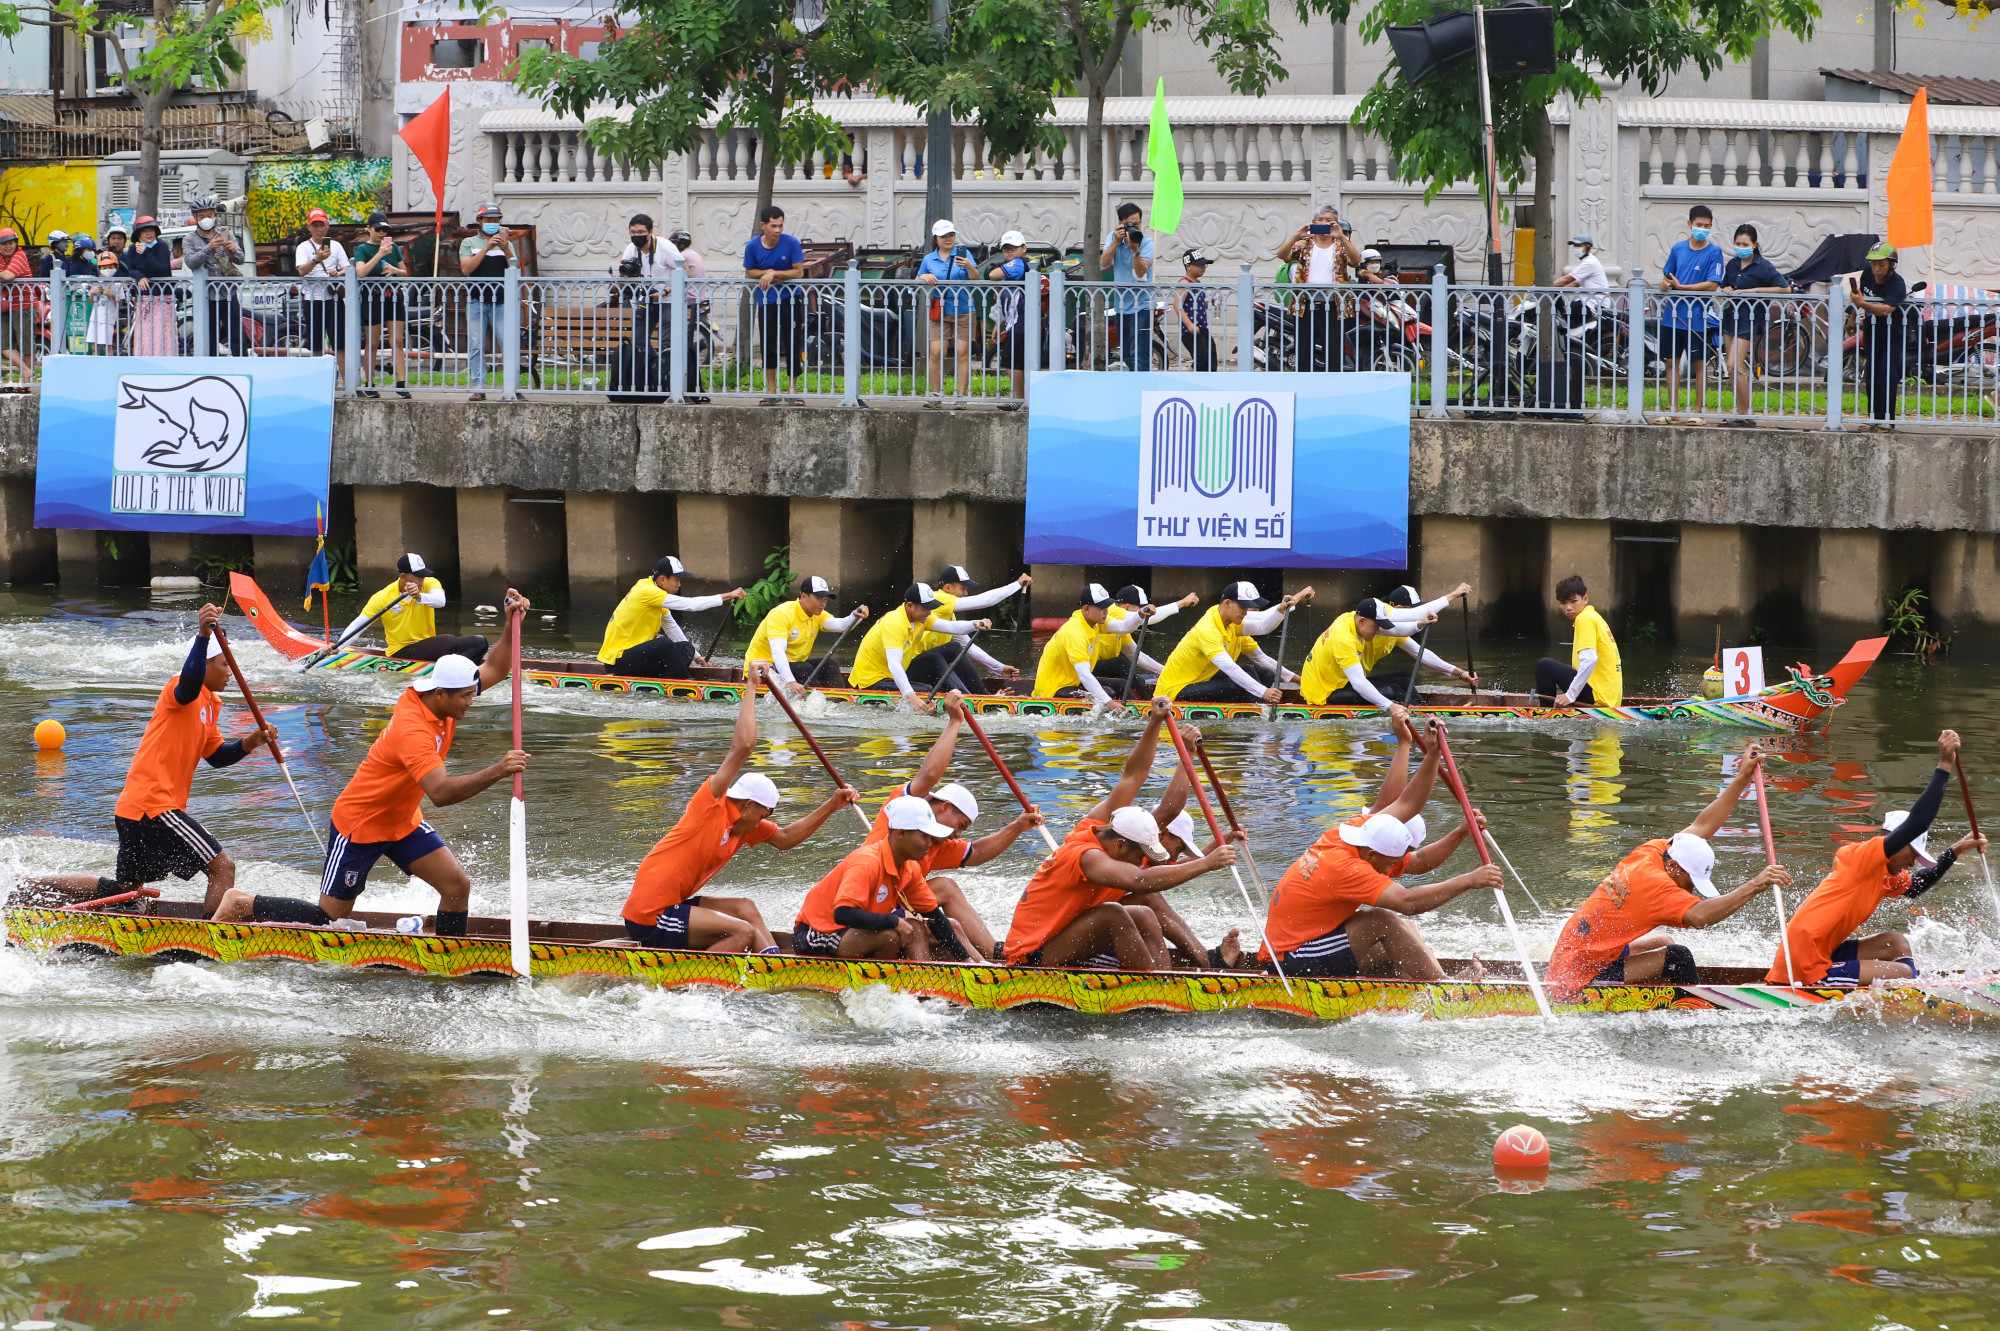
point(484, 256)
point(1128, 251)
point(948, 267)
point(1878, 295)
point(1324, 256)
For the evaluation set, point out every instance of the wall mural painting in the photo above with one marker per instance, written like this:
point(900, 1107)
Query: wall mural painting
point(283, 191)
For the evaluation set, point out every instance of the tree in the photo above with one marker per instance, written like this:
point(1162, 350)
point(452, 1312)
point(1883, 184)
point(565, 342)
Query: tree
point(1435, 124)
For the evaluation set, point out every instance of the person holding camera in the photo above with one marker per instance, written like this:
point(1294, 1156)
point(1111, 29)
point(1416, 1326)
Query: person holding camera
point(382, 303)
point(645, 266)
point(485, 255)
point(1128, 252)
point(319, 260)
point(950, 307)
point(1011, 268)
point(1322, 254)
point(210, 248)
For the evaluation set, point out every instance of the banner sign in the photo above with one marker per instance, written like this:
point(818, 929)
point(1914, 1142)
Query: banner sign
point(184, 444)
point(1219, 470)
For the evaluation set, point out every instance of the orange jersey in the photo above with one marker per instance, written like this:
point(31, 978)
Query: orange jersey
point(1635, 898)
point(692, 852)
point(384, 798)
point(1057, 894)
point(868, 878)
point(1320, 893)
point(178, 736)
point(946, 854)
point(1859, 882)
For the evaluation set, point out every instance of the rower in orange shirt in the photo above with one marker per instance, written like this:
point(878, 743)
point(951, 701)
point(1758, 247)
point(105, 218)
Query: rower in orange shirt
point(727, 812)
point(380, 813)
point(1075, 909)
point(157, 836)
point(864, 907)
point(1663, 882)
point(1864, 875)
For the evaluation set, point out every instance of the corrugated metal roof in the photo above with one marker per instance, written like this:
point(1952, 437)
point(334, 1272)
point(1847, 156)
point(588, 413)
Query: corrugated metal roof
point(27, 108)
point(1945, 91)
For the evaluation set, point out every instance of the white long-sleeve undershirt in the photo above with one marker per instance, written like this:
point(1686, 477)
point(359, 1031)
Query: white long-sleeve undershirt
point(1416, 614)
point(781, 664)
point(1586, 662)
point(434, 599)
point(1357, 679)
point(992, 596)
point(1429, 657)
point(1132, 622)
point(1256, 623)
point(951, 628)
point(1086, 678)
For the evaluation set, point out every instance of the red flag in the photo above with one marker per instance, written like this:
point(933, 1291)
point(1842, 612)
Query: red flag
point(429, 137)
point(1910, 179)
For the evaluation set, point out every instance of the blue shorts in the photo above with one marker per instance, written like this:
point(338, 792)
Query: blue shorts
point(1845, 972)
point(1328, 956)
point(348, 862)
point(670, 929)
point(1693, 341)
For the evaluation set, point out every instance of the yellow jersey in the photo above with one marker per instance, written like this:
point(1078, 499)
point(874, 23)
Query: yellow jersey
point(1338, 648)
point(790, 622)
point(1607, 677)
point(947, 604)
point(412, 621)
point(1074, 643)
point(1193, 657)
point(871, 664)
point(635, 621)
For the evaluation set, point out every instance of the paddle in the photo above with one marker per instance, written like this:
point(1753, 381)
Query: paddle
point(517, 831)
point(1499, 895)
point(1284, 631)
point(1222, 796)
point(1417, 743)
point(1771, 858)
point(1215, 829)
point(820, 664)
point(346, 638)
point(1138, 649)
point(945, 678)
point(778, 692)
point(1465, 605)
point(257, 715)
point(1973, 819)
point(972, 724)
point(716, 637)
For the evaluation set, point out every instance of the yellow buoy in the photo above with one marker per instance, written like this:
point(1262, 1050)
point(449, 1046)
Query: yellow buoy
point(50, 734)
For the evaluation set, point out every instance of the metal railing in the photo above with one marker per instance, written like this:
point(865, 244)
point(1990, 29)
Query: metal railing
point(1624, 355)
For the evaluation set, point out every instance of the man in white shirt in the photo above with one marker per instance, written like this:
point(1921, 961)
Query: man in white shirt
point(1587, 273)
point(321, 263)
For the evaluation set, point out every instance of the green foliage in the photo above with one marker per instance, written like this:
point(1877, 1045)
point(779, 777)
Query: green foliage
point(216, 568)
point(194, 45)
point(341, 568)
point(761, 596)
point(1643, 635)
point(1909, 624)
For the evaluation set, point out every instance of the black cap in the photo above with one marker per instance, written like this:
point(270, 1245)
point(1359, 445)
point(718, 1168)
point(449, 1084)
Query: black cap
point(378, 221)
point(1371, 608)
point(918, 594)
point(1130, 594)
point(1094, 594)
point(816, 586)
point(1404, 596)
point(958, 573)
point(1245, 595)
point(679, 236)
point(412, 563)
point(668, 567)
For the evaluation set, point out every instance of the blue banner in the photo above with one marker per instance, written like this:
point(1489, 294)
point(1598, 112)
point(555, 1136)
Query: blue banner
point(188, 444)
point(1219, 470)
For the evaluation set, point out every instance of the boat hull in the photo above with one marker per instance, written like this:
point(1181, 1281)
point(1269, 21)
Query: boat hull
point(992, 988)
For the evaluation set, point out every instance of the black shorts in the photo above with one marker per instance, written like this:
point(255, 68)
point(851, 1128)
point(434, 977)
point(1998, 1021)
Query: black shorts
point(1674, 341)
point(669, 928)
point(781, 329)
point(810, 942)
point(168, 843)
point(326, 323)
point(1327, 956)
point(1013, 351)
point(383, 307)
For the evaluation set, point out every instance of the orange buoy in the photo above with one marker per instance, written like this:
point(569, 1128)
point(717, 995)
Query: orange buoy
point(1521, 1147)
point(49, 734)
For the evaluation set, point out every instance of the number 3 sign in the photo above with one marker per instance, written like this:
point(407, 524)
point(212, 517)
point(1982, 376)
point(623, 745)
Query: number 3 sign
point(1742, 672)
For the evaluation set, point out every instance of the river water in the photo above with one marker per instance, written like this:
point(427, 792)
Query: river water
point(318, 1147)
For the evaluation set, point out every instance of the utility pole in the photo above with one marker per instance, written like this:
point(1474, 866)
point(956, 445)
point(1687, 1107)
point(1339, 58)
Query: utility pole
point(938, 153)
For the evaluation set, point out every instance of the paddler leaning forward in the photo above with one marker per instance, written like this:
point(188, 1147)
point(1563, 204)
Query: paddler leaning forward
point(1611, 938)
point(643, 639)
point(871, 903)
point(729, 811)
point(381, 810)
point(1206, 664)
point(409, 607)
point(785, 640)
point(1074, 908)
point(1337, 668)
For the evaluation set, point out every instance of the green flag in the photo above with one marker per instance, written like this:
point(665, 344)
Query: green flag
point(1165, 164)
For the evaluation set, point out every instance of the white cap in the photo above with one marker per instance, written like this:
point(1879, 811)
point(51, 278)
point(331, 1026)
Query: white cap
point(956, 573)
point(1182, 826)
point(1010, 238)
point(1417, 829)
point(943, 227)
point(1382, 833)
point(1695, 855)
point(1922, 845)
point(1141, 829)
point(755, 788)
point(907, 813)
point(1244, 594)
point(958, 797)
point(816, 586)
point(412, 563)
point(214, 647)
point(449, 672)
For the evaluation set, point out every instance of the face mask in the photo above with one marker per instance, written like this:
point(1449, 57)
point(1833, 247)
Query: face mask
point(206, 224)
point(1745, 251)
point(1698, 232)
point(490, 228)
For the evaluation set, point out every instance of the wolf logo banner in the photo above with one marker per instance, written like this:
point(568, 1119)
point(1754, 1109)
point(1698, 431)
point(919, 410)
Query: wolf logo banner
point(184, 444)
point(1219, 470)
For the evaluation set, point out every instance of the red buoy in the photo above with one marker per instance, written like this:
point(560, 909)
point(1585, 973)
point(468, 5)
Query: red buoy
point(1521, 1147)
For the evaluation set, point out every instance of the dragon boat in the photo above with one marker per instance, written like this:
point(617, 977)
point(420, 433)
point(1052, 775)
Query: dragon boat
point(174, 931)
point(1788, 707)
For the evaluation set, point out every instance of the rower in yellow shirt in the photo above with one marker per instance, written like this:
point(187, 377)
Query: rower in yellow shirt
point(957, 595)
point(411, 626)
point(890, 659)
point(1595, 675)
point(1338, 666)
point(1218, 642)
point(1070, 658)
point(642, 638)
point(1130, 610)
point(786, 637)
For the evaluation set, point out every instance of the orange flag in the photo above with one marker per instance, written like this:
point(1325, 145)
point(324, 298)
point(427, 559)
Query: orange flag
point(429, 137)
point(1910, 179)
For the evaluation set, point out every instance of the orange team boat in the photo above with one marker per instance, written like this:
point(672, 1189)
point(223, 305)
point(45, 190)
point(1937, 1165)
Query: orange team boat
point(1792, 706)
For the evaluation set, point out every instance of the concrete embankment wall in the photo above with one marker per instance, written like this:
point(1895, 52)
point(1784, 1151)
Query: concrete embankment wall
point(1683, 529)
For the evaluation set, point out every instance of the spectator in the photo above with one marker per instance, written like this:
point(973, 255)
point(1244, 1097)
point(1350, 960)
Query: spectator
point(1322, 254)
point(20, 305)
point(82, 257)
point(1128, 250)
point(210, 248)
point(320, 260)
point(155, 326)
point(1688, 323)
point(1192, 309)
point(697, 267)
point(57, 255)
point(645, 258)
point(383, 305)
point(1012, 270)
point(1587, 273)
point(772, 258)
point(485, 256)
point(115, 239)
point(107, 301)
point(697, 271)
point(950, 308)
point(643, 266)
point(1744, 321)
point(1878, 296)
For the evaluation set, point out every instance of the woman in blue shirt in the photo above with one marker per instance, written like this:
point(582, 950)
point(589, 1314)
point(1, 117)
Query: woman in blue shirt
point(1744, 321)
point(951, 308)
